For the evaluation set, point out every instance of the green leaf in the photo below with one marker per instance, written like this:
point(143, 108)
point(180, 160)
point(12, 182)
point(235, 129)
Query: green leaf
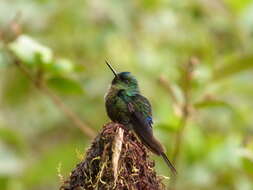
point(211, 103)
point(61, 66)
point(166, 127)
point(16, 92)
point(233, 65)
point(29, 51)
point(12, 138)
point(4, 182)
point(65, 85)
point(238, 6)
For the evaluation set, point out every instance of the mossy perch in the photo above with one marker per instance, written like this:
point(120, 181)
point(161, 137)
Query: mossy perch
point(115, 160)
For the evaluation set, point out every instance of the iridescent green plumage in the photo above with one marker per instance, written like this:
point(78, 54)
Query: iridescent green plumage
point(125, 105)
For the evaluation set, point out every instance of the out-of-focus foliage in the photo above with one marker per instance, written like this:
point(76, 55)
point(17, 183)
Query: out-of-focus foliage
point(65, 44)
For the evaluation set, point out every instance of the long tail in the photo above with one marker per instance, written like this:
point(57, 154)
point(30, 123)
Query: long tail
point(168, 162)
point(154, 146)
point(144, 131)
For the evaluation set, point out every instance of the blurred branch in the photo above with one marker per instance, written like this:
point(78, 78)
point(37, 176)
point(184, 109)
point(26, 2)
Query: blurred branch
point(37, 81)
point(168, 87)
point(186, 86)
point(188, 72)
point(182, 108)
point(57, 101)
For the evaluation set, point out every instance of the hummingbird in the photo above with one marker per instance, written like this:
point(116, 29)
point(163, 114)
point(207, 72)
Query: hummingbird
point(125, 105)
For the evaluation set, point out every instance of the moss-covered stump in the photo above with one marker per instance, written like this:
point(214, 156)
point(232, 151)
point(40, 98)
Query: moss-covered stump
point(115, 160)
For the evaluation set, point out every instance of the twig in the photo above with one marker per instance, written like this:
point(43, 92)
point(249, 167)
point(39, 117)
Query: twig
point(176, 104)
point(183, 107)
point(186, 86)
point(179, 136)
point(57, 101)
point(167, 85)
point(37, 81)
point(117, 146)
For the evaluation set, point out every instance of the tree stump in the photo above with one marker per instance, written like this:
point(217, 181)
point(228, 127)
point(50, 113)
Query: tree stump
point(115, 160)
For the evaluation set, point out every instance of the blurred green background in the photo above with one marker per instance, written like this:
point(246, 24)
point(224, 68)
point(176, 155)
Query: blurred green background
point(63, 43)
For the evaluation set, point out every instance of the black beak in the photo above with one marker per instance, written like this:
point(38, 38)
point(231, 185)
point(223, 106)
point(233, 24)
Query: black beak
point(114, 72)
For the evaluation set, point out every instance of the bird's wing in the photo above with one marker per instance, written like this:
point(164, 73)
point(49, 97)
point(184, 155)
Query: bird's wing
point(141, 118)
point(138, 105)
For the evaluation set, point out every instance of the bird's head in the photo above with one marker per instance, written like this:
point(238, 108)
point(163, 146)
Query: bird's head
point(124, 81)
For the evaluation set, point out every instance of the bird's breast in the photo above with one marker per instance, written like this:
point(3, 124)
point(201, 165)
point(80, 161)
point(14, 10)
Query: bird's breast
point(116, 108)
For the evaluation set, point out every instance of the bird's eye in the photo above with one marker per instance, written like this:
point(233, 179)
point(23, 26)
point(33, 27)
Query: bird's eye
point(126, 81)
point(114, 81)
